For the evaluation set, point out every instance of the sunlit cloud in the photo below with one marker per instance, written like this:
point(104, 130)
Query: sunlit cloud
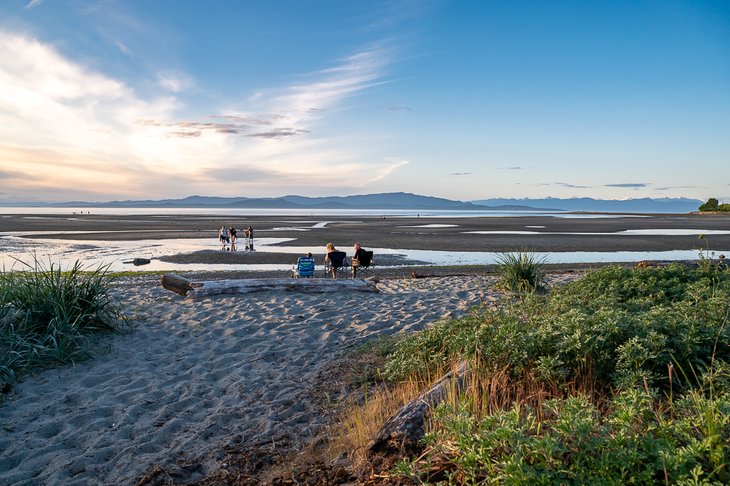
point(69, 127)
point(34, 3)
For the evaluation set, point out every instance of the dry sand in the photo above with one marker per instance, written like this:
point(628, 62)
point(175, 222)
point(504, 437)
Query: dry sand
point(196, 375)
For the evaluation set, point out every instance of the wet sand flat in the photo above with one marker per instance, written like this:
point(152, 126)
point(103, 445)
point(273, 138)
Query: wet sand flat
point(535, 232)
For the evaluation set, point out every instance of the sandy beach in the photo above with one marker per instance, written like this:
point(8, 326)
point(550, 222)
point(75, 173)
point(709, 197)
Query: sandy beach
point(195, 376)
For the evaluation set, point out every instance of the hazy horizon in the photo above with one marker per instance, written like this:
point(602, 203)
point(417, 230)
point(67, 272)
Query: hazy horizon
point(109, 100)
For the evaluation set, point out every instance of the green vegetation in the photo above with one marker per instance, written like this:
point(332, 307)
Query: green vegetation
point(619, 377)
point(521, 271)
point(47, 316)
point(713, 204)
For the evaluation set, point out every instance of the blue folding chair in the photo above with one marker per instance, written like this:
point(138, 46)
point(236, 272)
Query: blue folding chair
point(304, 268)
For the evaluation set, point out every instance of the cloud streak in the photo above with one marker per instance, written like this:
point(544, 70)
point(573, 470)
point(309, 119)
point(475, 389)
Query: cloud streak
point(628, 184)
point(92, 131)
point(564, 184)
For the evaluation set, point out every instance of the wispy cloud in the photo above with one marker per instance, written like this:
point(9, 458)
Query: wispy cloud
point(34, 3)
point(667, 188)
point(398, 108)
point(460, 173)
point(628, 184)
point(92, 131)
point(123, 47)
point(564, 184)
point(175, 82)
point(511, 168)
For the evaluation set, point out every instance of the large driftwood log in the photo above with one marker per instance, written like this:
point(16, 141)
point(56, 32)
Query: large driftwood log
point(176, 283)
point(404, 430)
point(185, 287)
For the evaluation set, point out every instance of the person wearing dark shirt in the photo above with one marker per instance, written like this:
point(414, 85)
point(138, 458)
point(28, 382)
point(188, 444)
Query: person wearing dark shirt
point(359, 255)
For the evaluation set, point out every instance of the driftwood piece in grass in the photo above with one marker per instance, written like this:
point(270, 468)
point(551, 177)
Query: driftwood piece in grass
point(404, 430)
point(183, 286)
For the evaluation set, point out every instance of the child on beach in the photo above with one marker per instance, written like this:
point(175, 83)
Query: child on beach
point(249, 239)
point(232, 232)
point(223, 236)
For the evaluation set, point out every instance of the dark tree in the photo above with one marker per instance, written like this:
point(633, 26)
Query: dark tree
point(711, 205)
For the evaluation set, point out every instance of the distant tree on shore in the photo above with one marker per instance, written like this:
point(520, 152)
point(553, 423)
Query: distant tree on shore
point(713, 204)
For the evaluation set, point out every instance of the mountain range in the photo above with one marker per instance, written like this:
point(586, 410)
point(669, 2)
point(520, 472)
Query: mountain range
point(399, 200)
point(640, 205)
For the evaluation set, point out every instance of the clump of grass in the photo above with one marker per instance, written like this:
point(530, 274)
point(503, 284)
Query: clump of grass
point(47, 315)
point(521, 271)
point(359, 422)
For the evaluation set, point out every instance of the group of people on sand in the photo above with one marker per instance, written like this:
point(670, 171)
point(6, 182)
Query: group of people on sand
point(357, 257)
point(333, 260)
point(228, 237)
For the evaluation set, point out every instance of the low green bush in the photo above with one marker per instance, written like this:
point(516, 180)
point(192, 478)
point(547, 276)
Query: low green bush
point(617, 378)
point(636, 438)
point(47, 316)
point(614, 326)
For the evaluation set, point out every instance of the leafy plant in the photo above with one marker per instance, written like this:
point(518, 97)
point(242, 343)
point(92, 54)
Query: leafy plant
point(601, 381)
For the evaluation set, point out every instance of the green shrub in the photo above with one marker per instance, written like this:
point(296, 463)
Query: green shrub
point(636, 438)
point(46, 316)
point(615, 326)
point(521, 271)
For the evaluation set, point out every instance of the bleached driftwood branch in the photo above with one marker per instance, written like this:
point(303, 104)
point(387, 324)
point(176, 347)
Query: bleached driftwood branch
point(404, 430)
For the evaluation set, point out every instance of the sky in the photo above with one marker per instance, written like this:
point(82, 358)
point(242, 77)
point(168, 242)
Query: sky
point(111, 100)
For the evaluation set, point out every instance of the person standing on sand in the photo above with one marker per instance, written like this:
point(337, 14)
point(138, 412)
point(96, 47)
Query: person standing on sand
point(249, 238)
point(232, 232)
point(222, 236)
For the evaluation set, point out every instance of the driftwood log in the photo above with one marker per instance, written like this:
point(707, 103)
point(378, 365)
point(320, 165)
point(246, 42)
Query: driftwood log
point(182, 286)
point(404, 430)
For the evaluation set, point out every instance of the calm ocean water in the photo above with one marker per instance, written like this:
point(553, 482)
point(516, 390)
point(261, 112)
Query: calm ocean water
point(297, 212)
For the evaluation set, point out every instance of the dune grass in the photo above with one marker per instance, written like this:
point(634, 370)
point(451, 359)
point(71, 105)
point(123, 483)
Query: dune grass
point(521, 271)
point(47, 316)
point(620, 377)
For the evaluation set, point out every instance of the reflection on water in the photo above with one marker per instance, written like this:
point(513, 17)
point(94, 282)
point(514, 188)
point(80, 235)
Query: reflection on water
point(631, 232)
point(115, 253)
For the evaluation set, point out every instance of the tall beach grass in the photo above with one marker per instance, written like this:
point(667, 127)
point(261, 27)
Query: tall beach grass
point(48, 315)
point(521, 271)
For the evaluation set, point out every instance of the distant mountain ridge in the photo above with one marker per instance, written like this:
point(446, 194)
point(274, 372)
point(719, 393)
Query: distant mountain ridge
point(639, 205)
point(395, 201)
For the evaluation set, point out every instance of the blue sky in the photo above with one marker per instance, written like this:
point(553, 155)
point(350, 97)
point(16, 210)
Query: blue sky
point(466, 100)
